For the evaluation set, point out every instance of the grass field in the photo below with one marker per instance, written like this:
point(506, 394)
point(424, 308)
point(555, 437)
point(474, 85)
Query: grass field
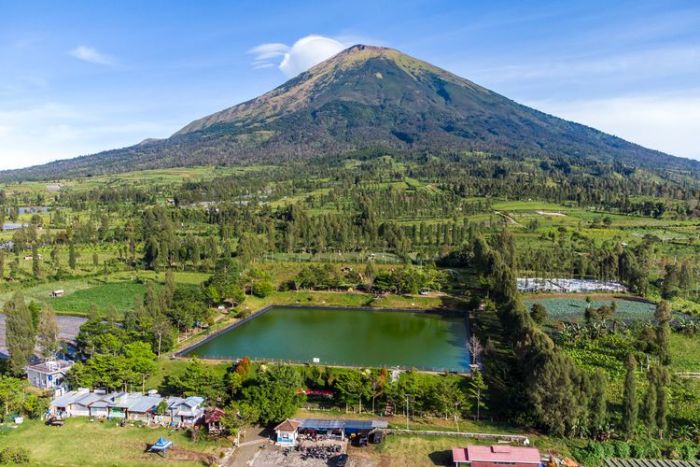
point(81, 442)
point(120, 296)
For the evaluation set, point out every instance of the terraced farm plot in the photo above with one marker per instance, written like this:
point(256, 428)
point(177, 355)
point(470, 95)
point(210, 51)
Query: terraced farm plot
point(573, 308)
point(120, 296)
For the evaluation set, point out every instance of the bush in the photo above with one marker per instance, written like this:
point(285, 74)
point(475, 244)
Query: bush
point(622, 449)
point(14, 455)
point(645, 449)
point(688, 451)
point(262, 289)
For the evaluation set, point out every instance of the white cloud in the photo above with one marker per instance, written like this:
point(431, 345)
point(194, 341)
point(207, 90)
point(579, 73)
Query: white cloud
point(38, 133)
point(300, 56)
point(91, 55)
point(668, 123)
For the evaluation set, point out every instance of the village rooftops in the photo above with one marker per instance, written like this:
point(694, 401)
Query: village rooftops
point(496, 454)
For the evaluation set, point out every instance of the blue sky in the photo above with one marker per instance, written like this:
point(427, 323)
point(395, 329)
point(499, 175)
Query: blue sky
point(80, 77)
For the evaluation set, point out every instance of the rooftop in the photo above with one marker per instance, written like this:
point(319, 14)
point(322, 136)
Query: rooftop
point(51, 367)
point(496, 453)
point(288, 425)
point(335, 424)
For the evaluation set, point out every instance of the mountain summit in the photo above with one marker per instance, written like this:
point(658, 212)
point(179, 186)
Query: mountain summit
point(367, 99)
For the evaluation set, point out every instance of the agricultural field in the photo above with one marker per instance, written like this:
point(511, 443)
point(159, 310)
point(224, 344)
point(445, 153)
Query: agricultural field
point(572, 308)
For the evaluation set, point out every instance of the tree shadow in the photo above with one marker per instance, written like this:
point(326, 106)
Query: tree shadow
point(441, 457)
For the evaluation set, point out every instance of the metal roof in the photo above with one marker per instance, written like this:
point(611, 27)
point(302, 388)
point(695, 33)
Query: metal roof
point(143, 404)
point(69, 398)
point(334, 424)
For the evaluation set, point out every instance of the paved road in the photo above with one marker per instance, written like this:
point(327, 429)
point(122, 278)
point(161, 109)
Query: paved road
point(68, 328)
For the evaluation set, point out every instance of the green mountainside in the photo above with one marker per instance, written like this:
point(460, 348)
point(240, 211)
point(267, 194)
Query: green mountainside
point(371, 100)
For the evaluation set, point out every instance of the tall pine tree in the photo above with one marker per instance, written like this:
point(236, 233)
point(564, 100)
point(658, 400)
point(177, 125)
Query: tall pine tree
point(630, 405)
point(19, 333)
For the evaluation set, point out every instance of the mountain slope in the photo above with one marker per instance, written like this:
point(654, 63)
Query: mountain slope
point(367, 98)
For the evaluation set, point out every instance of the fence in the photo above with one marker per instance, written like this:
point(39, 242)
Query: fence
point(463, 434)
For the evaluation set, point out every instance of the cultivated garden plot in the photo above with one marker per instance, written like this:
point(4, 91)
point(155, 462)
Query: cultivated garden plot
point(574, 308)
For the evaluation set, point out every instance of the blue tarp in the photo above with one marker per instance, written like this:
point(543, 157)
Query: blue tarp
point(161, 445)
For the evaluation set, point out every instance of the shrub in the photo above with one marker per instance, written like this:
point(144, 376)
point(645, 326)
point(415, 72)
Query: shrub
point(14, 455)
point(262, 289)
point(622, 449)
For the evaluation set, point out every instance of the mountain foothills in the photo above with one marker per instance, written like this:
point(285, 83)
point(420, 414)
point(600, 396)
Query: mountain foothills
point(368, 100)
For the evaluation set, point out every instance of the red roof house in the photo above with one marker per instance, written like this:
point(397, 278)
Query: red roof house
point(496, 455)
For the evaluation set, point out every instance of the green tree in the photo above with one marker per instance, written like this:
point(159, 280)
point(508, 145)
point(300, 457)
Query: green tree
point(139, 361)
point(629, 399)
point(72, 256)
point(650, 399)
point(538, 312)
point(663, 317)
point(36, 262)
point(20, 333)
point(198, 379)
point(477, 392)
point(47, 334)
point(12, 395)
point(662, 381)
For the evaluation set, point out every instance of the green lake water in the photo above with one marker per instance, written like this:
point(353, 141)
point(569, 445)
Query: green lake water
point(347, 337)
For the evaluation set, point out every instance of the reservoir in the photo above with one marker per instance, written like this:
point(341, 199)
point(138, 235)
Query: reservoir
point(345, 337)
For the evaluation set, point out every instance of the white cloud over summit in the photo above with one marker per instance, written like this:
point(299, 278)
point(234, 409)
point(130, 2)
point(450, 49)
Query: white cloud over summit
point(300, 56)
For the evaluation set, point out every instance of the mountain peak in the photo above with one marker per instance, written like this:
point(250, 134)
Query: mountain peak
point(368, 97)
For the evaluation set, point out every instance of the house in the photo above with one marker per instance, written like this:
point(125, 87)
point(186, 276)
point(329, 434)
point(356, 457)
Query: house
point(212, 420)
point(82, 403)
point(120, 406)
point(142, 407)
point(491, 456)
point(287, 432)
point(185, 412)
point(48, 375)
point(62, 406)
point(58, 293)
point(133, 406)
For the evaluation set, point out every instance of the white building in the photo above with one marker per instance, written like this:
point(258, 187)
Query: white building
point(185, 412)
point(48, 375)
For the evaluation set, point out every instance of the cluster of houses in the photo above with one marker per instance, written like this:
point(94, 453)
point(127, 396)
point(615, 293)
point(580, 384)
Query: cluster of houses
point(132, 406)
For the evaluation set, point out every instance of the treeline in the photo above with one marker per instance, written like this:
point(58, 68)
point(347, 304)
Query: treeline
point(538, 385)
point(261, 393)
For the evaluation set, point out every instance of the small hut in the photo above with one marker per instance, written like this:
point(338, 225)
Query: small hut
point(287, 432)
point(212, 420)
